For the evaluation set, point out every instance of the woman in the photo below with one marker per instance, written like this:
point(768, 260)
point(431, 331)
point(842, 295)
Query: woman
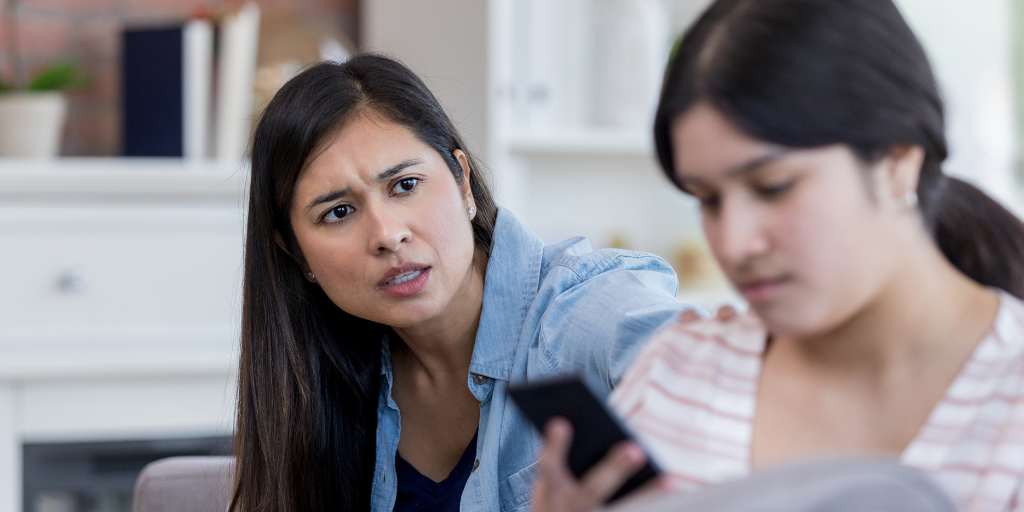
point(885, 295)
point(388, 302)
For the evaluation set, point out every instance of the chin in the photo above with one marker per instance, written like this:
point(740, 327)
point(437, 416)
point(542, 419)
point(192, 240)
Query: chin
point(790, 321)
point(410, 315)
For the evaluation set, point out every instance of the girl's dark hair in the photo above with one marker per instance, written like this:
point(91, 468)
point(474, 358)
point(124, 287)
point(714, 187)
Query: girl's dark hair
point(810, 73)
point(309, 373)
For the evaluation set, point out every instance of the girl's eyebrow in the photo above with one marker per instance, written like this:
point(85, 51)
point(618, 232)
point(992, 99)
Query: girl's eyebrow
point(741, 169)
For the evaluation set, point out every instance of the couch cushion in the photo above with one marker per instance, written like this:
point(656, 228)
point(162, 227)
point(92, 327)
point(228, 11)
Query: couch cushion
point(196, 484)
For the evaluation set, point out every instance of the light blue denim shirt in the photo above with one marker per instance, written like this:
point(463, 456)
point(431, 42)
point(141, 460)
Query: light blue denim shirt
point(549, 310)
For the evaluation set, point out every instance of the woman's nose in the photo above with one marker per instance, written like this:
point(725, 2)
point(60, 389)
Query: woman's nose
point(387, 233)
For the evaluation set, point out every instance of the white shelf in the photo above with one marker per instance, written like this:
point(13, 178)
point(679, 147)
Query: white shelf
point(132, 179)
point(581, 142)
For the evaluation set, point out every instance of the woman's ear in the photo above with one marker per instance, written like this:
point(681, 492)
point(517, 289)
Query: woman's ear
point(279, 242)
point(298, 259)
point(467, 177)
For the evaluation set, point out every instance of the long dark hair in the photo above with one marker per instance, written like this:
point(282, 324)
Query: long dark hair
point(309, 373)
point(810, 73)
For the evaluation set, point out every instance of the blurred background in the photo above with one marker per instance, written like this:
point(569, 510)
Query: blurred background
point(123, 132)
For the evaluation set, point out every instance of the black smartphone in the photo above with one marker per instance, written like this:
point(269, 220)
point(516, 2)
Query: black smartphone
point(595, 429)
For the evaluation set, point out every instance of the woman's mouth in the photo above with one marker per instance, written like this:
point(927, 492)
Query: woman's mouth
point(403, 278)
point(406, 282)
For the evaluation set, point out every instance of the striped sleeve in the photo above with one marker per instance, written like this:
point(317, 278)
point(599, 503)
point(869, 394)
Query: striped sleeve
point(629, 394)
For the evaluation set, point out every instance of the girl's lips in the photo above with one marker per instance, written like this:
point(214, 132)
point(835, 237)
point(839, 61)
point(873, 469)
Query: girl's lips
point(407, 284)
point(762, 290)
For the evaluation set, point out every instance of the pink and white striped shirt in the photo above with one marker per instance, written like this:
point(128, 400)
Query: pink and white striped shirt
point(690, 398)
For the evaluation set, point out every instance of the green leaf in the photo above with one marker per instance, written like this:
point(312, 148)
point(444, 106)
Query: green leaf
point(57, 78)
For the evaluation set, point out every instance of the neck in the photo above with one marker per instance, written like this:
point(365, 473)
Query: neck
point(443, 346)
point(928, 318)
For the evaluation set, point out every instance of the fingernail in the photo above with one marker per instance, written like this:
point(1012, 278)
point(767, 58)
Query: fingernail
point(633, 454)
point(559, 426)
point(688, 316)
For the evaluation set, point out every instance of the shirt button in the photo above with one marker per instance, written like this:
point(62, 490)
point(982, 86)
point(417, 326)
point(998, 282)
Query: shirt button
point(476, 464)
point(479, 379)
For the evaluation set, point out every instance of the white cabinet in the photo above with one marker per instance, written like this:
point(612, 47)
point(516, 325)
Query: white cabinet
point(120, 295)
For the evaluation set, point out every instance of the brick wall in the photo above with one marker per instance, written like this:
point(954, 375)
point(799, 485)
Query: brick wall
point(88, 32)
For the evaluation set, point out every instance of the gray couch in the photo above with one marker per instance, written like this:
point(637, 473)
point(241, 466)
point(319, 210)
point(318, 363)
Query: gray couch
point(202, 484)
point(817, 486)
point(176, 484)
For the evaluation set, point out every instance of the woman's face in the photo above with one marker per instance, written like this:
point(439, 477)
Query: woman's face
point(383, 225)
point(806, 236)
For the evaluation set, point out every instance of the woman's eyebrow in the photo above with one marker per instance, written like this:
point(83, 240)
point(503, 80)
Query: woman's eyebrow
point(397, 168)
point(385, 175)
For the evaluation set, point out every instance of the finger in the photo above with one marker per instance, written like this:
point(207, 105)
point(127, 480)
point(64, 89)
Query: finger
point(726, 313)
point(554, 455)
point(608, 476)
point(657, 485)
point(539, 497)
point(651, 496)
point(555, 485)
point(688, 316)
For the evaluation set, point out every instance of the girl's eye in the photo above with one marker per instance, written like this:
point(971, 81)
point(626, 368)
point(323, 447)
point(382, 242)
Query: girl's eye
point(406, 185)
point(337, 214)
point(709, 203)
point(773, 191)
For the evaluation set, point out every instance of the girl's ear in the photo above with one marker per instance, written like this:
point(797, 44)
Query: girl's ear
point(903, 172)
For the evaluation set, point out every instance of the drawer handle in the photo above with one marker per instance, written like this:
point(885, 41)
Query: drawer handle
point(70, 282)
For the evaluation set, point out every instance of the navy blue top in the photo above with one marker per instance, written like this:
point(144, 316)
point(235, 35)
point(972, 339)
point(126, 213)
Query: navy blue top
point(419, 493)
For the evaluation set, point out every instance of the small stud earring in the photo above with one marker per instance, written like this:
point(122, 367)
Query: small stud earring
point(472, 212)
point(311, 277)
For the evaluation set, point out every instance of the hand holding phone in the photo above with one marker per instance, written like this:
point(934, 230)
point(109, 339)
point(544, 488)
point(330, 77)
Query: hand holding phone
point(596, 431)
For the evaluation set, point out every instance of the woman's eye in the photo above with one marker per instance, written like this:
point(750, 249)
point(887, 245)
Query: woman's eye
point(337, 213)
point(406, 185)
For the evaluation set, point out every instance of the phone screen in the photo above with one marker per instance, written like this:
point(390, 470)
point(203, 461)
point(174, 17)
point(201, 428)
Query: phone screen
point(595, 429)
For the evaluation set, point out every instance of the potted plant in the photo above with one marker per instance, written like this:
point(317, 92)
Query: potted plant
point(32, 114)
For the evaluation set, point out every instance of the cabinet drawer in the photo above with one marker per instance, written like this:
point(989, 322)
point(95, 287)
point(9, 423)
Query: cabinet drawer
point(126, 268)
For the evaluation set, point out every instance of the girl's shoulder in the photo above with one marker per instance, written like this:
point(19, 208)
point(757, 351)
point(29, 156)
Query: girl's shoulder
point(696, 356)
point(741, 335)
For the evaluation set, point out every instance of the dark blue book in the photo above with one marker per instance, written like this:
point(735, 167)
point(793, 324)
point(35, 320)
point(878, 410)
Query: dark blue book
point(165, 87)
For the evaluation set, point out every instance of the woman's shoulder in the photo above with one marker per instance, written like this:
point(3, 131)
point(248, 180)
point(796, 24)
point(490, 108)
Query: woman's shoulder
point(593, 309)
point(605, 293)
point(575, 260)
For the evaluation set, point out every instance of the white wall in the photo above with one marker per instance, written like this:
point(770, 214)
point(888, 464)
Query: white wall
point(970, 45)
point(446, 44)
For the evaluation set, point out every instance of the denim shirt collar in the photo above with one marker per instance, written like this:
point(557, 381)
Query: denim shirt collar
point(510, 283)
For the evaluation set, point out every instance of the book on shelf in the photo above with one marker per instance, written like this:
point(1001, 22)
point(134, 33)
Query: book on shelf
point(165, 76)
point(236, 71)
point(187, 87)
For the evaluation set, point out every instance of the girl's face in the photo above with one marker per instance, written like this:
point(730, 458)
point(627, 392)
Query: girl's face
point(383, 225)
point(807, 236)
